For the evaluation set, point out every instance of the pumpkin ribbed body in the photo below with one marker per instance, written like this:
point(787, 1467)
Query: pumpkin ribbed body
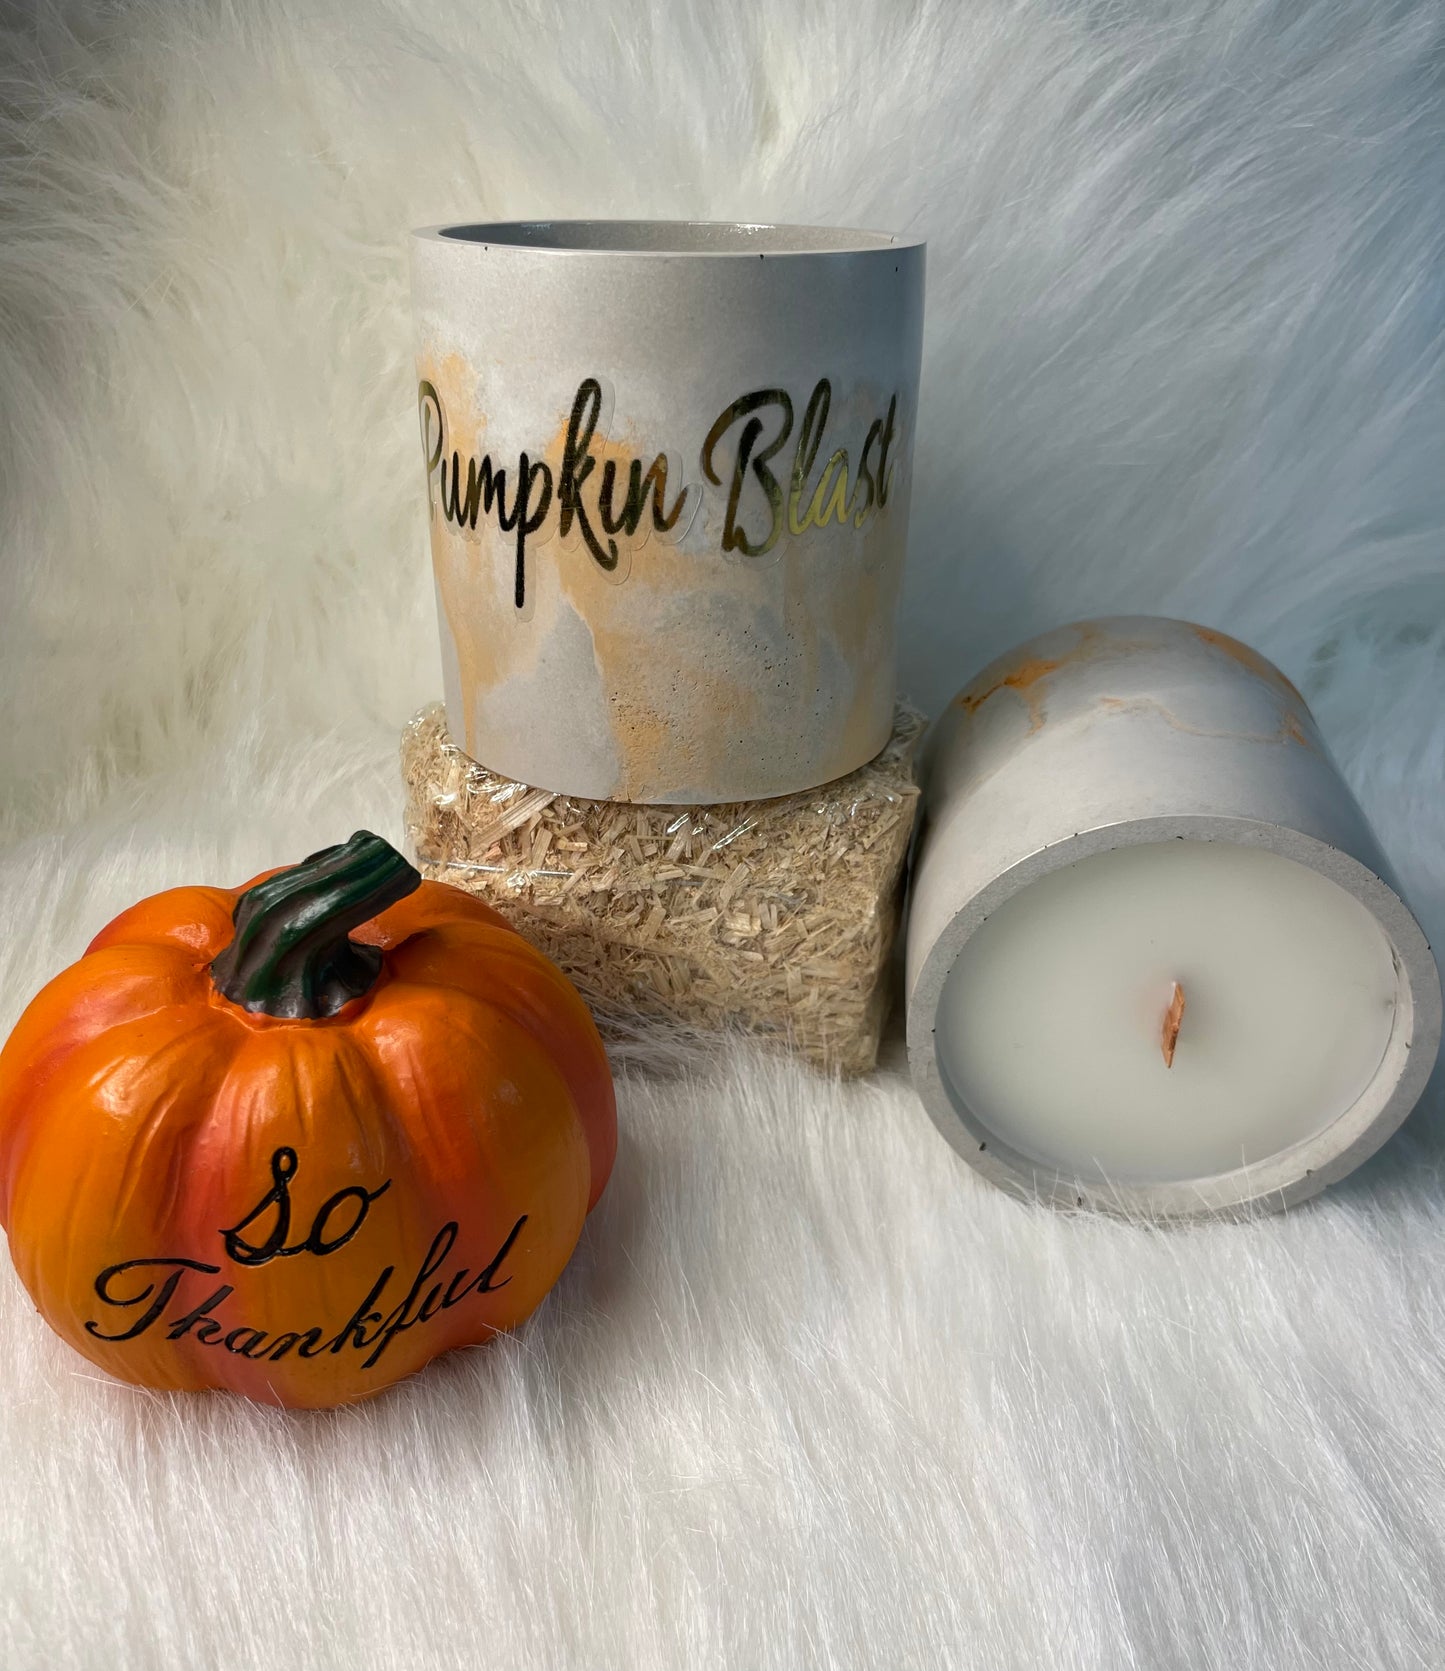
point(301, 1210)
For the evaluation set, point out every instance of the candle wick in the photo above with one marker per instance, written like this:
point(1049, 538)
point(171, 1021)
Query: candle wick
point(1169, 1032)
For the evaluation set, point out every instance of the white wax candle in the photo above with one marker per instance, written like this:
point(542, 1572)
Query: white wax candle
point(1049, 1024)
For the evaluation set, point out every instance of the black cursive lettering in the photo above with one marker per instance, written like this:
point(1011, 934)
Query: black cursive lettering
point(401, 1319)
point(577, 465)
point(353, 1332)
point(885, 471)
point(245, 1343)
point(865, 475)
point(734, 539)
point(635, 501)
point(429, 404)
point(161, 1301)
point(184, 1325)
point(603, 498)
point(283, 1343)
point(526, 481)
point(367, 1330)
point(283, 1169)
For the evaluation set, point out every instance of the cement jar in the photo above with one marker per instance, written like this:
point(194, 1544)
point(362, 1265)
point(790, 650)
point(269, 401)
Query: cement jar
point(1158, 964)
point(667, 479)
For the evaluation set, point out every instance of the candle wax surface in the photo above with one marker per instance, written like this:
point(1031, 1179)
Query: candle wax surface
point(1049, 1022)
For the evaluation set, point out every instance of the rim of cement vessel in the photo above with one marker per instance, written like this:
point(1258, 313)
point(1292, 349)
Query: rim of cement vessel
point(715, 239)
point(1281, 1180)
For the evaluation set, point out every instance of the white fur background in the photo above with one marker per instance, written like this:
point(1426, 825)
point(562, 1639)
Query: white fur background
point(810, 1394)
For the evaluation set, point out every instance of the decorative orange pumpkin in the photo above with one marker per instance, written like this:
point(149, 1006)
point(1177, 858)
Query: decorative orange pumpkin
point(298, 1138)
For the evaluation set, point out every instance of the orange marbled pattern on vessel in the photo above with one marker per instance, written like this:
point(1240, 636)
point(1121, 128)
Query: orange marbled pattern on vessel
point(687, 664)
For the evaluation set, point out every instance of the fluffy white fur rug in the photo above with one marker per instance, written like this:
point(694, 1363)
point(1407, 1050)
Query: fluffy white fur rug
point(810, 1394)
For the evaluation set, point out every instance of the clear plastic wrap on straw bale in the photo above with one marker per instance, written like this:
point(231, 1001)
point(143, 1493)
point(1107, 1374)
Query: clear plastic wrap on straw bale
point(775, 918)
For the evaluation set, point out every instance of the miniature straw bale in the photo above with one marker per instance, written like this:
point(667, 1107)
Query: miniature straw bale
point(776, 917)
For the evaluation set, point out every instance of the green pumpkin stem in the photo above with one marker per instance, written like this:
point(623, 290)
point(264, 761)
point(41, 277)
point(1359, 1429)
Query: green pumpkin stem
point(292, 954)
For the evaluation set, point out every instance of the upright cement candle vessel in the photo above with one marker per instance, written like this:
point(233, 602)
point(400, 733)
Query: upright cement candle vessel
point(667, 470)
point(1157, 962)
